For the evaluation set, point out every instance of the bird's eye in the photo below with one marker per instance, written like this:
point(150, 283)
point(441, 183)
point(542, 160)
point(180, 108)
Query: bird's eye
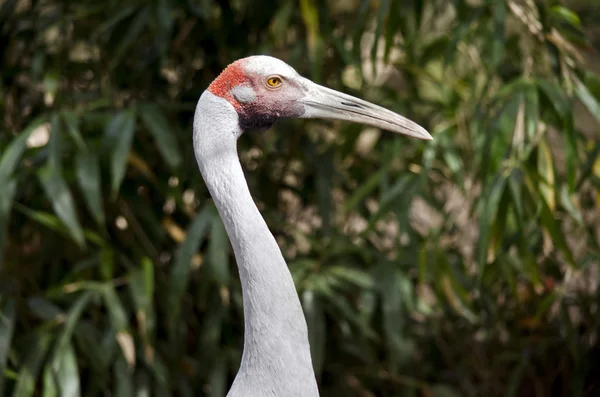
point(274, 82)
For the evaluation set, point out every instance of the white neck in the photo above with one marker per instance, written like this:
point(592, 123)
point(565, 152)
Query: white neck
point(276, 359)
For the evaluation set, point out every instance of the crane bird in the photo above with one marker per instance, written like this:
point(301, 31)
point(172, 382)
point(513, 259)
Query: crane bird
point(254, 93)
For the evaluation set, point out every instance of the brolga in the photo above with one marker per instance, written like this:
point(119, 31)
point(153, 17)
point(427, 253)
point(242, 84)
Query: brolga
point(254, 93)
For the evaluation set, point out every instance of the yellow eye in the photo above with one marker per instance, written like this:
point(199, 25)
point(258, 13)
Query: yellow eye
point(274, 82)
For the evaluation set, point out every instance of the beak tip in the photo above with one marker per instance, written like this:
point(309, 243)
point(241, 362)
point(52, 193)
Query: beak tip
point(423, 134)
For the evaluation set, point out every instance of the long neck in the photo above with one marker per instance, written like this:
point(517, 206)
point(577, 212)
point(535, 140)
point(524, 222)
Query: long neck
point(276, 358)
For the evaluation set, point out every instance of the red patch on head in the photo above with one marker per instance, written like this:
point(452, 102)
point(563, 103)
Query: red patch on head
point(232, 76)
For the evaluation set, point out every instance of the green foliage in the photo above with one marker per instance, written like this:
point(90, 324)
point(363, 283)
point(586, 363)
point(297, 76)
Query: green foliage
point(464, 266)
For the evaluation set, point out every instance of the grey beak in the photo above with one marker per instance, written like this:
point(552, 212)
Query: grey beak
point(325, 103)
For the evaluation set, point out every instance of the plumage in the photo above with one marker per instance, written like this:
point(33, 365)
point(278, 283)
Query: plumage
point(256, 92)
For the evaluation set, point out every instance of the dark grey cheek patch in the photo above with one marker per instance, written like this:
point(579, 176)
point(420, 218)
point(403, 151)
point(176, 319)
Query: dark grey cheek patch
point(243, 94)
point(263, 114)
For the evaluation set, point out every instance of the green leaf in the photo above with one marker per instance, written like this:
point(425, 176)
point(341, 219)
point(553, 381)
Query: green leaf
point(119, 132)
point(72, 123)
point(517, 375)
point(116, 311)
point(157, 124)
point(310, 17)
point(134, 29)
point(556, 96)
point(388, 281)
point(88, 177)
point(31, 365)
point(141, 287)
point(441, 390)
point(120, 323)
point(382, 14)
point(95, 346)
point(324, 175)
point(55, 143)
point(585, 96)
point(8, 315)
point(180, 272)
point(315, 319)
point(73, 317)
point(61, 377)
point(398, 196)
point(58, 193)
point(6, 203)
point(50, 82)
point(553, 228)
point(356, 277)
point(545, 168)
point(364, 190)
point(218, 252)
point(110, 23)
point(499, 39)
point(212, 327)
point(218, 377)
point(44, 309)
point(44, 218)
point(531, 112)
point(12, 154)
point(123, 375)
point(515, 183)
point(563, 13)
point(107, 263)
point(488, 208)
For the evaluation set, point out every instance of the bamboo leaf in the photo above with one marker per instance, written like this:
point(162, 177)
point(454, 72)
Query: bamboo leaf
point(88, 177)
point(123, 375)
point(8, 315)
point(157, 124)
point(12, 154)
point(517, 374)
point(441, 390)
point(55, 143)
point(134, 29)
point(218, 252)
point(6, 203)
point(587, 98)
point(499, 40)
point(72, 123)
point(120, 324)
point(546, 171)
point(119, 133)
point(30, 368)
point(118, 315)
point(364, 190)
point(310, 17)
point(556, 97)
point(44, 309)
point(563, 13)
point(180, 272)
point(218, 377)
point(315, 318)
point(141, 287)
point(61, 377)
point(73, 318)
point(58, 193)
point(488, 208)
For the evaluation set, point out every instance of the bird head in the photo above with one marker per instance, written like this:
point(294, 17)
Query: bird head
point(264, 89)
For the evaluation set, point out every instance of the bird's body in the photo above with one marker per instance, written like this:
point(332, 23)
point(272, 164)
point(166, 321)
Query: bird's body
point(255, 92)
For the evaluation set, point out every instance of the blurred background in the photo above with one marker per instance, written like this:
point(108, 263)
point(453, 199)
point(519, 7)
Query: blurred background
point(464, 266)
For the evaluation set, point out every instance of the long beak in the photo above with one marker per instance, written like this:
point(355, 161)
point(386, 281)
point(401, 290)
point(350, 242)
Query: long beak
point(325, 103)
